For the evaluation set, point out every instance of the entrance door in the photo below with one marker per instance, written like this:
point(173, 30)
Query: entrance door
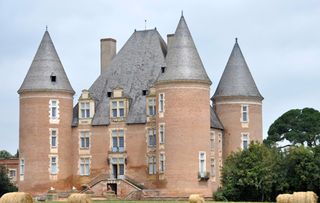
point(115, 170)
point(113, 187)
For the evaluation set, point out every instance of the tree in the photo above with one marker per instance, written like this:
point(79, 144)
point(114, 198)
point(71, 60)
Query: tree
point(298, 126)
point(5, 184)
point(5, 154)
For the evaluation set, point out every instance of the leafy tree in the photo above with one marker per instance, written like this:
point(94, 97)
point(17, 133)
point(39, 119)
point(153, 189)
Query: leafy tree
point(5, 154)
point(5, 184)
point(298, 126)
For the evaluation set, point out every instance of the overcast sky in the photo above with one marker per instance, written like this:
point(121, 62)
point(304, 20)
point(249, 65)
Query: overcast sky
point(279, 39)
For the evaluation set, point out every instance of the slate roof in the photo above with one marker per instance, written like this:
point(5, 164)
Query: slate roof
point(134, 68)
point(183, 60)
point(45, 64)
point(236, 79)
point(214, 120)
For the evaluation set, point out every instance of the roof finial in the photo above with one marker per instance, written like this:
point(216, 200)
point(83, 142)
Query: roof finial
point(236, 39)
point(46, 28)
point(181, 13)
point(145, 24)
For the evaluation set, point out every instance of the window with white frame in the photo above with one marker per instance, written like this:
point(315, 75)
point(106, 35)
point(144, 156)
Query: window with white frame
point(85, 109)
point(118, 167)
point(161, 133)
point(162, 159)
point(245, 113)
point(151, 106)
point(245, 141)
point(152, 165)
point(213, 169)
point(54, 109)
point(161, 102)
point(152, 137)
point(118, 109)
point(202, 164)
point(212, 140)
point(84, 166)
point(54, 138)
point(117, 140)
point(53, 165)
point(22, 167)
point(84, 140)
point(12, 173)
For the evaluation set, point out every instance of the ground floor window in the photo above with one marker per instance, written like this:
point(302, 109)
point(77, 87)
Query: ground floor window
point(85, 166)
point(162, 162)
point(53, 165)
point(118, 168)
point(152, 165)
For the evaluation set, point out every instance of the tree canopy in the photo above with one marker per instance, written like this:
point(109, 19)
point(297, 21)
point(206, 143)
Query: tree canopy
point(298, 126)
point(5, 154)
point(5, 184)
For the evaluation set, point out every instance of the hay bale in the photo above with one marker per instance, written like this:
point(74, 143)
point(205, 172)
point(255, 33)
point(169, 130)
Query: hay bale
point(196, 198)
point(284, 198)
point(16, 197)
point(79, 198)
point(304, 197)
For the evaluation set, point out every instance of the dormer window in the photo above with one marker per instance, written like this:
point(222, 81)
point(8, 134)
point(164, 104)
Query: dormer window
point(118, 108)
point(151, 106)
point(53, 78)
point(86, 107)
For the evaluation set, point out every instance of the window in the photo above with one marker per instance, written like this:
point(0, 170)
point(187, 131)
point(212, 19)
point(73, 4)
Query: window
point(118, 109)
point(161, 134)
point(117, 167)
point(152, 165)
point(117, 140)
point(53, 165)
point(212, 139)
point(245, 141)
point(85, 166)
point(84, 140)
point(152, 137)
point(22, 167)
point(53, 140)
point(161, 102)
point(151, 106)
point(54, 109)
point(244, 112)
point(12, 174)
point(85, 109)
point(212, 167)
point(202, 164)
point(162, 162)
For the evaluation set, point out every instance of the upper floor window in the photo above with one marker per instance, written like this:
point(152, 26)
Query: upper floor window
point(162, 162)
point(213, 169)
point(12, 173)
point(212, 140)
point(161, 102)
point(85, 166)
point(53, 139)
point(118, 140)
point(152, 165)
point(85, 109)
point(161, 133)
point(202, 164)
point(54, 109)
point(151, 106)
point(53, 165)
point(22, 167)
point(118, 108)
point(84, 140)
point(245, 141)
point(245, 113)
point(152, 141)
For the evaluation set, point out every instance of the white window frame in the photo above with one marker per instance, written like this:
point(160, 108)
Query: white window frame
point(245, 139)
point(118, 108)
point(162, 162)
point(245, 112)
point(10, 176)
point(86, 137)
point(212, 140)
point(56, 138)
point(162, 133)
point(116, 133)
point(84, 166)
point(152, 137)
point(152, 165)
point(54, 104)
point(118, 161)
point(151, 105)
point(202, 159)
point(161, 102)
point(22, 166)
point(85, 109)
point(54, 165)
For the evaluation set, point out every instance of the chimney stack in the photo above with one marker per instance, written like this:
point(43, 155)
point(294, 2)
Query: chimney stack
point(170, 38)
point(108, 48)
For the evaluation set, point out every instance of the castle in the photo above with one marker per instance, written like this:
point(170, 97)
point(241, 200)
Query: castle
point(145, 128)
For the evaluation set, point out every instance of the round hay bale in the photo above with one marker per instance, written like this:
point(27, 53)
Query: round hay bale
point(79, 198)
point(16, 197)
point(196, 198)
point(284, 198)
point(304, 197)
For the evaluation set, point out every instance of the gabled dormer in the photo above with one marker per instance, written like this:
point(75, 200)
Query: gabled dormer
point(119, 105)
point(86, 107)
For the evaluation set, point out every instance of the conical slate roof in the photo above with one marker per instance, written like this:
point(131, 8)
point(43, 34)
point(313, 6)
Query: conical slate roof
point(183, 60)
point(236, 79)
point(46, 64)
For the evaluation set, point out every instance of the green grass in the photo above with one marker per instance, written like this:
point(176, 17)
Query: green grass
point(120, 201)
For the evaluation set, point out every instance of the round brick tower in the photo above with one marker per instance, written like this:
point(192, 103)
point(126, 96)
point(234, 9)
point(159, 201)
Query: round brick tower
point(183, 105)
point(238, 104)
point(46, 103)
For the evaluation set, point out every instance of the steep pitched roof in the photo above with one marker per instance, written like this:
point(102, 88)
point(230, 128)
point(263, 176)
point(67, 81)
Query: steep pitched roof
point(236, 79)
point(134, 68)
point(45, 64)
point(183, 60)
point(214, 120)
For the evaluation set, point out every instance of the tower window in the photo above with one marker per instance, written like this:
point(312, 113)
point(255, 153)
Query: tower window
point(162, 162)
point(53, 140)
point(53, 165)
point(161, 133)
point(53, 78)
point(161, 102)
point(21, 167)
point(152, 165)
point(152, 137)
point(85, 166)
point(212, 140)
point(244, 113)
point(202, 164)
point(54, 110)
point(245, 141)
point(84, 140)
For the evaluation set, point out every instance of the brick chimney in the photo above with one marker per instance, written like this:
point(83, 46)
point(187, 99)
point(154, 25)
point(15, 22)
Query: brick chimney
point(108, 51)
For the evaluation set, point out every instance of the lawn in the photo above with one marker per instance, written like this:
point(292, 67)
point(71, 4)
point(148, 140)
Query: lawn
point(120, 201)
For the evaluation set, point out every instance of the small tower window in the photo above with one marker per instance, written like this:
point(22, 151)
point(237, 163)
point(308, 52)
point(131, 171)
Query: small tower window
point(144, 92)
point(53, 78)
point(163, 69)
point(109, 94)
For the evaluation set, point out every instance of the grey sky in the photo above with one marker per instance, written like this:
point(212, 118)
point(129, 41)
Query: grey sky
point(279, 39)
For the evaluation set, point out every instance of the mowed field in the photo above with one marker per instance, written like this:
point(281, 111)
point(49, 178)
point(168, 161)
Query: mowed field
point(119, 201)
